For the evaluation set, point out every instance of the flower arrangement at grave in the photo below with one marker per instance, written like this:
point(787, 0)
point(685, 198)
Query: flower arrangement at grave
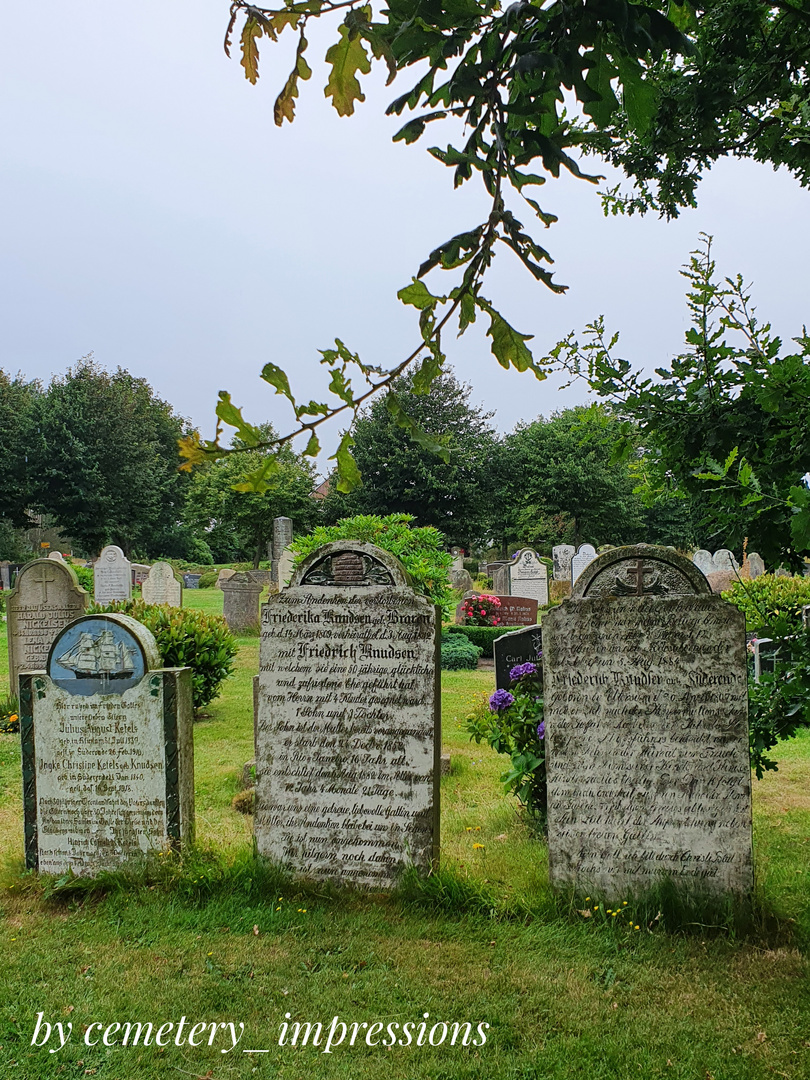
point(9, 716)
point(511, 721)
point(481, 610)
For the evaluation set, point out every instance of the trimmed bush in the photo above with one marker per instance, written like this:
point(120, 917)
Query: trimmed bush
point(208, 581)
point(186, 637)
point(767, 599)
point(459, 653)
point(483, 636)
point(85, 576)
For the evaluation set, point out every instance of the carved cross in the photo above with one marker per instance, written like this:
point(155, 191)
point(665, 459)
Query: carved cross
point(639, 572)
point(43, 576)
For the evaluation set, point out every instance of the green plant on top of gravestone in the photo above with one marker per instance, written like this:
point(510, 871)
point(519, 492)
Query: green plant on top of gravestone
point(458, 652)
point(186, 637)
point(511, 721)
point(766, 599)
point(420, 549)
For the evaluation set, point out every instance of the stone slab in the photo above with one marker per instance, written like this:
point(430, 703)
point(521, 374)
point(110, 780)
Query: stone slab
point(112, 576)
point(348, 732)
point(46, 597)
point(240, 602)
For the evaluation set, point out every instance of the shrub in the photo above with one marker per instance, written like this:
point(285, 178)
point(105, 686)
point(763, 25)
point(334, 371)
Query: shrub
point(85, 576)
point(512, 723)
point(9, 715)
point(458, 652)
point(779, 703)
point(484, 636)
point(471, 566)
point(481, 610)
point(768, 599)
point(207, 581)
point(419, 549)
point(186, 637)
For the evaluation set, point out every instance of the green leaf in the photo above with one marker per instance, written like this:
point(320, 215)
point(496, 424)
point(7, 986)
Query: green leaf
point(602, 70)
point(419, 296)
point(251, 32)
point(340, 385)
point(639, 97)
point(277, 377)
point(732, 457)
point(394, 406)
point(508, 345)
point(228, 413)
point(346, 57)
point(313, 447)
point(348, 474)
point(257, 480)
point(284, 108)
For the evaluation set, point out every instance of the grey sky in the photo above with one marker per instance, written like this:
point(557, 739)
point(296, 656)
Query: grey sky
point(153, 214)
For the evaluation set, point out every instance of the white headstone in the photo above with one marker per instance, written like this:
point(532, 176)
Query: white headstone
point(112, 576)
point(561, 556)
point(458, 558)
point(646, 712)
point(584, 557)
point(723, 559)
point(528, 576)
point(703, 561)
point(107, 750)
point(56, 556)
point(347, 738)
point(162, 587)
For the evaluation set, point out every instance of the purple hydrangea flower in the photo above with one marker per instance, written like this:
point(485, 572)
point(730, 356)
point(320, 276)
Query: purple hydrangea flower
point(541, 730)
point(520, 670)
point(500, 700)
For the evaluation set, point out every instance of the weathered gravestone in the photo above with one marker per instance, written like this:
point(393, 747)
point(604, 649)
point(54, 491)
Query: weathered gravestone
point(46, 597)
point(240, 602)
point(458, 558)
point(461, 580)
point(348, 734)
point(191, 581)
point(647, 730)
point(223, 575)
point(518, 647)
point(282, 538)
point(526, 575)
point(585, 555)
point(561, 556)
point(112, 576)
point(756, 565)
point(162, 587)
point(108, 758)
point(5, 575)
point(56, 556)
point(723, 559)
point(703, 561)
point(286, 564)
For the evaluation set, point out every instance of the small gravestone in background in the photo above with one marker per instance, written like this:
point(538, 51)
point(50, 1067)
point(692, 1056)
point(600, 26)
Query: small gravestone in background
point(162, 587)
point(585, 555)
point(223, 575)
point(646, 710)
point(240, 602)
point(723, 560)
point(5, 575)
point(348, 730)
point(514, 610)
point(46, 597)
point(140, 572)
point(517, 647)
point(461, 580)
point(756, 565)
point(561, 556)
point(493, 566)
point(108, 758)
point(526, 576)
point(458, 558)
point(282, 538)
point(191, 581)
point(703, 561)
point(56, 556)
point(112, 576)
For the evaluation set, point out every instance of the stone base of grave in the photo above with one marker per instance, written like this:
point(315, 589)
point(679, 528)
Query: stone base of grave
point(445, 766)
point(248, 775)
point(559, 590)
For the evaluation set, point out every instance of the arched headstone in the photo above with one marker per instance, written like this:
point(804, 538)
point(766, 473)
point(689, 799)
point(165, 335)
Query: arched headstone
point(703, 561)
point(162, 587)
point(112, 576)
point(585, 555)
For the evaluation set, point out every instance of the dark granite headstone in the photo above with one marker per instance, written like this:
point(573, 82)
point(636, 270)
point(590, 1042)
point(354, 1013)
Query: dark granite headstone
point(517, 647)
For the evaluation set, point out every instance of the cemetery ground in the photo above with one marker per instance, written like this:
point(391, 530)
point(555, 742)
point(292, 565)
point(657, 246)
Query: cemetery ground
point(214, 937)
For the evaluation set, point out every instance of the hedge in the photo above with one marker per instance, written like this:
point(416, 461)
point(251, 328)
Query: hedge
point(483, 636)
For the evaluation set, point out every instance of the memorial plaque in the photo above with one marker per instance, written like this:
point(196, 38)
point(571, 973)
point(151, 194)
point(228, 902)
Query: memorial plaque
point(519, 647)
point(162, 587)
point(108, 773)
point(561, 556)
point(348, 731)
point(112, 576)
point(646, 710)
point(584, 557)
point(46, 597)
point(240, 602)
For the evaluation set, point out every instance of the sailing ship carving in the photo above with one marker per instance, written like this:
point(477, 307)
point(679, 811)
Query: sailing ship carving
point(99, 657)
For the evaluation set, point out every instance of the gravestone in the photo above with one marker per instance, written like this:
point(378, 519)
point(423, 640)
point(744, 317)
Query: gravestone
point(140, 572)
point(584, 557)
point(780, 571)
point(703, 561)
point(286, 563)
point(107, 748)
point(46, 597)
point(526, 576)
point(5, 575)
point(646, 710)
point(756, 565)
point(500, 579)
point(461, 580)
point(348, 733)
point(191, 581)
point(513, 610)
point(162, 587)
point(282, 538)
point(56, 556)
point(223, 575)
point(112, 576)
point(240, 602)
point(458, 558)
point(561, 556)
point(723, 559)
point(517, 647)
point(493, 566)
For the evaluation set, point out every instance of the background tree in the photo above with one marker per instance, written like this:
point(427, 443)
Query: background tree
point(238, 524)
point(557, 483)
point(402, 477)
point(16, 397)
point(728, 421)
point(102, 459)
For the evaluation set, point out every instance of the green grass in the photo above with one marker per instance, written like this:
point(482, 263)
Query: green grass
point(216, 937)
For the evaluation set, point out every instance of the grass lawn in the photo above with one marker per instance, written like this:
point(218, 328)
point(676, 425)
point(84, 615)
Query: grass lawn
point(564, 996)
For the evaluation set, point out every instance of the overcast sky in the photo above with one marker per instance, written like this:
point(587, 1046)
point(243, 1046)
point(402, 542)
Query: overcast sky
point(155, 216)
